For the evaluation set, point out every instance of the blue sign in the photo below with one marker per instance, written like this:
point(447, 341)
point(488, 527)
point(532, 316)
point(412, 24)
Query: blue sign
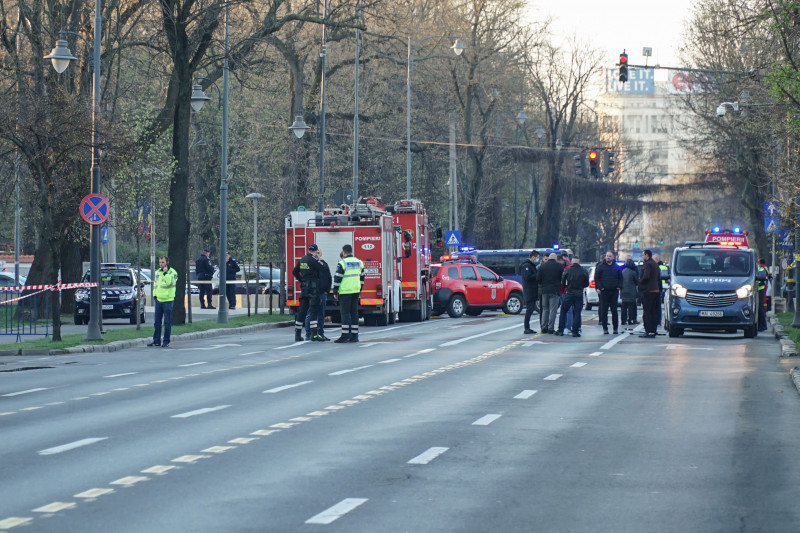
point(452, 238)
point(771, 208)
point(105, 233)
point(772, 225)
point(785, 239)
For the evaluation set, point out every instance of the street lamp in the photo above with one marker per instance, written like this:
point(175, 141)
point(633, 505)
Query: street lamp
point(520, 118)
point(458, 47)
point(60, 57)
point(197, 100)
point(255, 196)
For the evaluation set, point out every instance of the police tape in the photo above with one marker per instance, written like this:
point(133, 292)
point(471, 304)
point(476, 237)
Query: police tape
point(40, 289)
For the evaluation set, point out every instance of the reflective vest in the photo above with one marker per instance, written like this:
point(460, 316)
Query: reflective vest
point(762, 284)
point(164, 285)
point(352, 267)
point(664, 282)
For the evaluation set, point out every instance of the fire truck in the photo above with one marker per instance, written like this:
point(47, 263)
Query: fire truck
point(393, 243)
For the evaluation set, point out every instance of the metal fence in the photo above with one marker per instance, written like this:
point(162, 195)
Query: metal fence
point(25, 310)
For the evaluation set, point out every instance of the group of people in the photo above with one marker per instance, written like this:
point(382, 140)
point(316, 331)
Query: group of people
point(205, 273)
point(558, 283)
point(315, 280)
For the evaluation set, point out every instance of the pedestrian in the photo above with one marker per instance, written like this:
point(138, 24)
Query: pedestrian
point(324, 288)
point(629, 293)
point(762, 296)
point(608, 281)
point(663, 272)
point(549, 276)
point(347, 283)
point(231, 268)
point(574, 279)
point(204, 271)
point(564, 260)
point(650, 285)
point(308, 271)
point(164, 283)
point(530, 289)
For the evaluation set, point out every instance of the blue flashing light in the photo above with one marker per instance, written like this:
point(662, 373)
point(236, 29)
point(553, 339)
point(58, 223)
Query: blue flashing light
point(556, 246)
point(716, 229)
point(467, 249)
point(737, 229)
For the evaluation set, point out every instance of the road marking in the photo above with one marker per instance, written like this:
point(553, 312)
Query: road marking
point(577, 365)
point(24, 392)
point(373, 343)
point(553, 377)
point(486, 420)
point(14, 521)
point(189, 458)
point(531, 343)
point(120, 375)
point(285, 387)
point(427, 456)
point(340, 372)
point(54, 507)
point(610, 344)
point(253, 353)
point(337, 511)
point(388, 361)
point(595, 354)
point(524, 395)
point(201, 411)
point(465, 339)
point(129, 480)
point(298, 343)
point(212, 347)
point(684, 347)
point(195, 364)
point(71, 446)
point(91, 494)
point(158, 469)
point(426, 350)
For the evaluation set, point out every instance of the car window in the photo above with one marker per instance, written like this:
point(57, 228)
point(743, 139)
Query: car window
point(468, 273)
point(696, 262)
point(434, 271)
point(486, 274)
point(452, 272)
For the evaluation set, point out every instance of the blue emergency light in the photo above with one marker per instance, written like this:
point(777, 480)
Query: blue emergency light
point(737, 229)
point(716, 229)
point(555, 246)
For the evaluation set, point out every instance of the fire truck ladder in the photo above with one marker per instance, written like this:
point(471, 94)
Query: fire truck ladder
point(299, 241)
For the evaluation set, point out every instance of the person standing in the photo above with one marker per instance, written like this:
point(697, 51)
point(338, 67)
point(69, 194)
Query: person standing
point(663, 272)
point(308, 271)
point(549, 277)
point(347, 283)
point(325, 281)
point(650, 286)
point(608, 281)
point(574, 279)
point(629, 293)
point(762, 296)
point(530, 289)
point(164, 283)
point(231, 268)
point(205, 272)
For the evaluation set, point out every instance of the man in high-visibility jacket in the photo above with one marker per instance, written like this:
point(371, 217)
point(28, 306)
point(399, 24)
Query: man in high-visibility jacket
point(347, 283)
point(762, 296)
point(164, 283)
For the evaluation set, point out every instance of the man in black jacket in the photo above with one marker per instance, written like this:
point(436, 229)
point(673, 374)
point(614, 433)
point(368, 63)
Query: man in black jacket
point(530, 286)
point(575, 279)
point(325, 282)
point(549, 277)
point(204, 272)
point(308, 271)
point(608, 281)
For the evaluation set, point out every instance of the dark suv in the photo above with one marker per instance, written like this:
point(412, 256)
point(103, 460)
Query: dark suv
point(118, 288)
point(463, 286)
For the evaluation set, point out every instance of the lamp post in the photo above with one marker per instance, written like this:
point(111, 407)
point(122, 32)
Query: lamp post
point(256, 196)
point(60, 57)
point(197, 100)
point(458, 47)
point(520, 118)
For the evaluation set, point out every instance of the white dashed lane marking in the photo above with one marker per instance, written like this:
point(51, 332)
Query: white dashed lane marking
point(195, 364)
point(337, 511)
point(340, 372)
point(577, 365)
point(524, 395)
point(553, 377)
point(24, 392)
point(486, 420)
point(428, 456)
point(70, 446)
point(120, 375)
point(286, 387)
point(201, 411)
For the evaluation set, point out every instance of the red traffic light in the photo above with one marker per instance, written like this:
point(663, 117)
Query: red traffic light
point(592, 155)
point(623, 58)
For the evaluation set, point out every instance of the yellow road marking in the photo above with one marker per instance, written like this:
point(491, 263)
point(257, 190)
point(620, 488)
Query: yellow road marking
point(14, 521)
point(218, 449)
point(188, 458)
point(265, 432)
point(93, 493)
point(243, 440)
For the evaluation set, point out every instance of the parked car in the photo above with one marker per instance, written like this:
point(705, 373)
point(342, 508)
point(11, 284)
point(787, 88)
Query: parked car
point(119, 291)
point(590, 296)
point(7, 280)
point(463, 286)
point(269, 280)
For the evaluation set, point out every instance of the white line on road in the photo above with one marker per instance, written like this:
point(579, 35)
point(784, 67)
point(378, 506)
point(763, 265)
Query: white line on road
point(337, 511)
point(70, 446)
point(253, 353)
point(610, 344)
point(553, 377)
point(465, 339)
point(531, 343)
point(120, 375)
point(368, 344)
point(427, 456)
point(298, 343)
point(285, 387)
point(340, 372)
point(195, 364)
point(388, 361)
point(486, 420)
point(426, 350)
point(212, 347)
point(524, 395)
point(577, 365)
point(24, 392)
point(595, 354)
point(201, 411)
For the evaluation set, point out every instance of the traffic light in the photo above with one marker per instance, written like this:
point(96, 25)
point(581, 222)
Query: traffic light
point(623, 67)
point(661, 242)
point(636, 244)
point(580, 164)
point(609, 162)
point(593, 164)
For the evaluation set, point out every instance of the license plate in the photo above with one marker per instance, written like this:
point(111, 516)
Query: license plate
point(108, 307)
point(712, 313)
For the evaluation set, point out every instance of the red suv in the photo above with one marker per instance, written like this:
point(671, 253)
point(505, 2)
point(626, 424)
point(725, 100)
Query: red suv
point(462, 286)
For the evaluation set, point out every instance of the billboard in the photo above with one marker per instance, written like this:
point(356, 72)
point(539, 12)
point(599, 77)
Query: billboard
point(640, 81)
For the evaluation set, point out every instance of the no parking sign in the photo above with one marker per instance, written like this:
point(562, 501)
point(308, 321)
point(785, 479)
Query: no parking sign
point(94, 209)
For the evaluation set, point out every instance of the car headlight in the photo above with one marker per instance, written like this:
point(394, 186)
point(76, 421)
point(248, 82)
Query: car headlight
point(678, 290)
point(81, 296)
point(744, 291)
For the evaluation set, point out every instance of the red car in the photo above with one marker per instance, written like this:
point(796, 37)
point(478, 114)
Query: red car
point(462, 286)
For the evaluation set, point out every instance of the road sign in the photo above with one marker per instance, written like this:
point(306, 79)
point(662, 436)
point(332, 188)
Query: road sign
point(785, 239)
point(772, 225)
point(104, 232)
point(94, 209)
point(771, 208)
point(452, 238)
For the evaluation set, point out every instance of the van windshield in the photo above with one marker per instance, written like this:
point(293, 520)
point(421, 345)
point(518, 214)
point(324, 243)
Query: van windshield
point(701, 262)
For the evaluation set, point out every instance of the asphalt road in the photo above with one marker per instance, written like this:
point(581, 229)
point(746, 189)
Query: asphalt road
point(450, 425)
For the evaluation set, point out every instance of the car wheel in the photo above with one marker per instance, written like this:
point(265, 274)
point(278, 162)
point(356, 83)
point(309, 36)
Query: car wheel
point(750, 332)
point(78, 320)
point(513, 305)
point(457, 306)
point(674, 331)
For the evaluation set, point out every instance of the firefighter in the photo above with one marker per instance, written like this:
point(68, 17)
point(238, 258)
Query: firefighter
point(309, 271)
point(347, 283)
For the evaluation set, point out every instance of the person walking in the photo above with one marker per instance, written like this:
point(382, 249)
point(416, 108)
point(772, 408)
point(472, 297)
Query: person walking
point(231, 268)
point(549, 277)
point(204, 271)
point(164, 283)
point(574, 279)
point(308, 271)
point(650, 285)
point(608, 281)
point(325, 281)
point(663, 273)
point(762, 296)
point(629, 292)
point(530, 289)
point(347, 283)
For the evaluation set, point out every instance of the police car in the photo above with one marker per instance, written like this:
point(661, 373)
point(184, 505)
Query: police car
point(463, 286)
point(119, 291)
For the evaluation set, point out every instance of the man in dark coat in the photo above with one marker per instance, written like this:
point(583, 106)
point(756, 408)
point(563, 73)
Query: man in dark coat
point(204, 272)
point(574, 279)
point(231, 268)
point(549, 277)
point(650, 285)
point(608, 281)
point(530, 286)
point(308, 271)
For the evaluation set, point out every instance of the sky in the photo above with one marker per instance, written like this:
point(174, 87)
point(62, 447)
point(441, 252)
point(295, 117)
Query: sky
point(615, 25)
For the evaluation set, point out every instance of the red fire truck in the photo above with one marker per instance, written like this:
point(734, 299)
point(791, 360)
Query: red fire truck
point(393, 243)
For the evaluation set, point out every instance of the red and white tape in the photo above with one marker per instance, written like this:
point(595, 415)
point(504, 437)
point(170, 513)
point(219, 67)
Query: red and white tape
point(40, 289)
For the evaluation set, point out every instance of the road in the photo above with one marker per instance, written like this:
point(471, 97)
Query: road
point(445, 426)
